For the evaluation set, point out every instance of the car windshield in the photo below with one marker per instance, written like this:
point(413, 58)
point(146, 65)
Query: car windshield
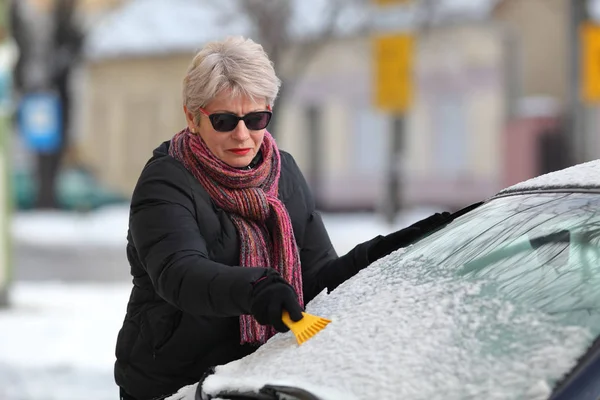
point(501, 303)
point(540, 251)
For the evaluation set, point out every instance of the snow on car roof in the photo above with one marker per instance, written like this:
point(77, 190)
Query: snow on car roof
point(586, 175)
point(398, 332)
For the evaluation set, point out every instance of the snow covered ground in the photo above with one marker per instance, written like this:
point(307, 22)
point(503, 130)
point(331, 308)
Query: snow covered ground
point(107, 227)
point(57, 340)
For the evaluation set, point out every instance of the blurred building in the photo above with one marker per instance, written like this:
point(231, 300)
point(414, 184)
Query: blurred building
point(452, 147)
point(539, 35)
point(490, 85)
point(536, 139)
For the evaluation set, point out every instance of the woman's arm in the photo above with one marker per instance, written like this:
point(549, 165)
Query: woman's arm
point(173, 252)
point(321, 266)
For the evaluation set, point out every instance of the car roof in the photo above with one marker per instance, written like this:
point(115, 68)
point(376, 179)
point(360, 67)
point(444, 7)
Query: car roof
point(578, 177)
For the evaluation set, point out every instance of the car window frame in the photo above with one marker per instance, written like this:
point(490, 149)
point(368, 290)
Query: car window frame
point(586, 372)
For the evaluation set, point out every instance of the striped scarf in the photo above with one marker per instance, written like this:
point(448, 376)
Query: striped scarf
point(250, 199)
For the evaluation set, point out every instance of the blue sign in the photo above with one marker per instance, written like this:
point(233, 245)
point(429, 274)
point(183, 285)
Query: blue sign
point(40, 122)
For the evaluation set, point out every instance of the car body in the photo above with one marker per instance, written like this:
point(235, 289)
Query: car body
point(503, 302)
point(76, 189)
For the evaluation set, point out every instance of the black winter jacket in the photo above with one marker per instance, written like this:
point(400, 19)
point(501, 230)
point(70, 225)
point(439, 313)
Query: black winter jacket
point(188, 292)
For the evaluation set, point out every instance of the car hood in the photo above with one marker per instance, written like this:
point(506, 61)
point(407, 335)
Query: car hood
point(401, 330)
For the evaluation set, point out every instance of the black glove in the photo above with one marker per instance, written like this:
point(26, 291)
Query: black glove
point(405, 237)
point(432, 222)
point(271, 295)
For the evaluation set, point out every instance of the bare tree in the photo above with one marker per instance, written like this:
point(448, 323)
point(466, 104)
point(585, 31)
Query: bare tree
point(49, 48)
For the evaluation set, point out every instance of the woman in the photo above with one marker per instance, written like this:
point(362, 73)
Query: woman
point(223, 232)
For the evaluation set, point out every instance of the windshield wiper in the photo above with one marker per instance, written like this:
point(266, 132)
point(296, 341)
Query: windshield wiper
point(291, 392)
point(563, 236)
point(267, 392)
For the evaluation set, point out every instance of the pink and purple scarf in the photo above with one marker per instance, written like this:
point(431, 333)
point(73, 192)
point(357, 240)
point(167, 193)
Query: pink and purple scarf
point(250, 197)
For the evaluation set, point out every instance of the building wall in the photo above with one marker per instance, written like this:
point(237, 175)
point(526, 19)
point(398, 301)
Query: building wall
point(522, 154)
point(453, 140)
point(454, 146)
point(541, 29)
point(130, 107)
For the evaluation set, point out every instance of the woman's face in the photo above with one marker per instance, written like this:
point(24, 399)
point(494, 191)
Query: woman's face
point(238, 147)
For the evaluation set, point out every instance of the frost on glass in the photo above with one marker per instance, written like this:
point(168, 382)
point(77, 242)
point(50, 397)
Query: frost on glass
point(481, 309)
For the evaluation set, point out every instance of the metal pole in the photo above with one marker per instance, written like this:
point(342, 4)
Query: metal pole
point(5, 274)
point(394, 203)
point(577, 15)
point(5, 204)
point(5, 248)
point(315, 133)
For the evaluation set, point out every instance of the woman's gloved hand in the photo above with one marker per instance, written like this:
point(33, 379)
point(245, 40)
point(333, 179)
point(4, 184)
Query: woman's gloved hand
point(364, 254)
point(432, 221)
point(405, 237)
point(271, 294)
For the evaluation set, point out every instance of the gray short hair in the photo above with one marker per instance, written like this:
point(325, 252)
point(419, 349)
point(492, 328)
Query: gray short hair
point(235, 64)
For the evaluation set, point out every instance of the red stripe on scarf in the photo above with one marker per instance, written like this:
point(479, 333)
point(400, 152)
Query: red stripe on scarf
point(250, 198)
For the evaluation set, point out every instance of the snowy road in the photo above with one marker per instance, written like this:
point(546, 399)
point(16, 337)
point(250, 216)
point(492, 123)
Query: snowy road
point(70, 264)
point(57, 340)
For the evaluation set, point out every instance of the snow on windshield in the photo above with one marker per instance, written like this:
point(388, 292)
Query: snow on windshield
point(583, 175)
point(398, 332)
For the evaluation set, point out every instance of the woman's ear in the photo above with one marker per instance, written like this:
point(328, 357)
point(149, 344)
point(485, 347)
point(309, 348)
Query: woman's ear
point(189, 117)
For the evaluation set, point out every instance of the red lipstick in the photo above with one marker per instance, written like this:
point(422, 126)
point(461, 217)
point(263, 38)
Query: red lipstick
point(240, 152)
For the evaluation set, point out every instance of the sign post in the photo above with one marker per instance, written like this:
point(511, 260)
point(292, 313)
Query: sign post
point(39, 121)
point(590, 63)
point(393, 72)
point(6, 60)
point(393, 55)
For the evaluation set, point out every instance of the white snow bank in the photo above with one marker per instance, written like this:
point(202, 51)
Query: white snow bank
point(103, 227)
point(53, 324)
point(57, 341)
point(108, 227)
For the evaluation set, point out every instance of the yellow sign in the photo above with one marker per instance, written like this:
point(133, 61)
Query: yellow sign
point(590, 62)
point(393, 72)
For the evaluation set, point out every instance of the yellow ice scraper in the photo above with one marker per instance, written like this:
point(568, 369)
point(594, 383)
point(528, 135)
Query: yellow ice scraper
point(307, 327)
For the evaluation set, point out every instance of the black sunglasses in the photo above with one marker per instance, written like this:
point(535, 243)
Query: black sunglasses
point(226, 122)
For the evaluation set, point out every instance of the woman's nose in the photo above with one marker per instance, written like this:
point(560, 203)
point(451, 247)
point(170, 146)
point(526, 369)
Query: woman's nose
point(241, 132)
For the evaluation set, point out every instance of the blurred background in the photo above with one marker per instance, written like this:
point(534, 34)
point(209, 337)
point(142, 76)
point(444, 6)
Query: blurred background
point(393, 109)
